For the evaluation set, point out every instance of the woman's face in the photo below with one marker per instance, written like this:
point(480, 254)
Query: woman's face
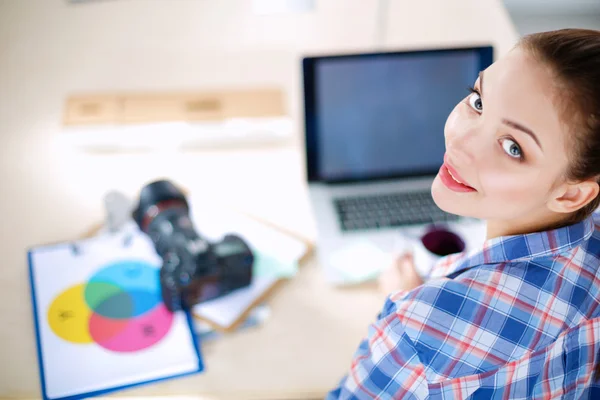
point(505, 143)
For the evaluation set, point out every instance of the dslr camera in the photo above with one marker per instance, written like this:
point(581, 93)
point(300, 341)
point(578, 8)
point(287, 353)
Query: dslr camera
point(194, 270)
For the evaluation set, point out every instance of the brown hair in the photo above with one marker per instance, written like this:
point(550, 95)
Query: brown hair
point(573, 56)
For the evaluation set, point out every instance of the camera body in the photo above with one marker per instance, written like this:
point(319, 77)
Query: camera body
point(194, 269)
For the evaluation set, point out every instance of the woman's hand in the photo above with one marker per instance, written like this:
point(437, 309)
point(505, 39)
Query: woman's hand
point(401, 275)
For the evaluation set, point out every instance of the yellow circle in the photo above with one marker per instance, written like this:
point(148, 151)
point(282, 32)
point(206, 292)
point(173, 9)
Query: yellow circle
point(69, 315)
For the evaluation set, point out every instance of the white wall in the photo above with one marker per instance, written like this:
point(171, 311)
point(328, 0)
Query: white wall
point(49, 49)
point(529, 23)
point(556, 7)
point(544, 15)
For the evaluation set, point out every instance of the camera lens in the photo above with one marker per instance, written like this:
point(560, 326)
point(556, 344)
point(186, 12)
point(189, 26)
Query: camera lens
point(194, 269)
point(155, 197)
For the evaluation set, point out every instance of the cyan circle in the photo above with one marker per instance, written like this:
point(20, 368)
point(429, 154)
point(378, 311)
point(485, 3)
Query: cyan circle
point(124, 289)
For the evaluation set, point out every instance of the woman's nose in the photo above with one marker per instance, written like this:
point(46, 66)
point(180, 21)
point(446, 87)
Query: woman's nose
point(464, 145)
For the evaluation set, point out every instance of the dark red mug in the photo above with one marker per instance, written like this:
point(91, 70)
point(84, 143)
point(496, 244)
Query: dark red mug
point(441, 241)
point(437, 242)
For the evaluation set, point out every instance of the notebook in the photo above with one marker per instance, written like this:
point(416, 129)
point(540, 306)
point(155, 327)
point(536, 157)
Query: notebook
point(100, 322)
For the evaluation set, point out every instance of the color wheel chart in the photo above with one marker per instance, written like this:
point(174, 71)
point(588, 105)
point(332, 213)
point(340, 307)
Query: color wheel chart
point(119, 308)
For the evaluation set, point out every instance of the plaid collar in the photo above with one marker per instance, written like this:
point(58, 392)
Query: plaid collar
point(517, 248)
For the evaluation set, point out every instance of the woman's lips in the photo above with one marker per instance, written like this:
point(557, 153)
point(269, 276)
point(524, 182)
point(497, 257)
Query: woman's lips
point(452, 180)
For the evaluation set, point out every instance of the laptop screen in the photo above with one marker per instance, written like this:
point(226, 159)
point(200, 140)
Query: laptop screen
point(374, 116)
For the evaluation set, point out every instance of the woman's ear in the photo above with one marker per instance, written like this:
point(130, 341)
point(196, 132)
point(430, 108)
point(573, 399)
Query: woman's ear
point(570, 197)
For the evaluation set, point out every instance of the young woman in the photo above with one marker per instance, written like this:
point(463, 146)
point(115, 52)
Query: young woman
point(520, 318)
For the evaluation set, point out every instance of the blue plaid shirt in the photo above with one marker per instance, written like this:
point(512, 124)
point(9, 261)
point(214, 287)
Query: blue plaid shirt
point(516, 319)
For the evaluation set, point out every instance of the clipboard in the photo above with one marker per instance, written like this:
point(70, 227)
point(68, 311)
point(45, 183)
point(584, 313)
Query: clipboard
point(99, 323)
point(218, 313)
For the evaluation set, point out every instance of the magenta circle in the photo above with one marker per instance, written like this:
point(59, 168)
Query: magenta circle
point(131, 334)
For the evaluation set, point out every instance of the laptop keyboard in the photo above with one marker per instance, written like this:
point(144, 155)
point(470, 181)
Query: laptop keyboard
point(389, 210)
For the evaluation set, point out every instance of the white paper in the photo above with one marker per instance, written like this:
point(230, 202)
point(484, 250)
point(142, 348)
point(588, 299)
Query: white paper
point(256, 316)
point(85, 345)
point(224, 311)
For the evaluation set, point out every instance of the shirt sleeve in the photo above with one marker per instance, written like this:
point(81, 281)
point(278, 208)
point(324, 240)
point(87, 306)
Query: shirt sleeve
point(386, 364)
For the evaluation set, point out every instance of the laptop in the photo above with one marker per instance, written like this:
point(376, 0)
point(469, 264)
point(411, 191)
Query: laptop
point(374, 142)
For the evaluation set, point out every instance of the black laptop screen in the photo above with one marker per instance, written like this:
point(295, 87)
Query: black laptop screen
point(382, 115)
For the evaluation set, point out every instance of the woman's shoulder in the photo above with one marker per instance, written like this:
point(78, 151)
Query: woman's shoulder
point(444, 317)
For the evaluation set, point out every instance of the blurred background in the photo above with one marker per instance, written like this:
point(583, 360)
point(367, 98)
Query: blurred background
point(50, 50)
point(538, 15)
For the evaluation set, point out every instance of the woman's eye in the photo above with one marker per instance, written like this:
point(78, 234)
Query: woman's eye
point(511, 148)
point(475, 102)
